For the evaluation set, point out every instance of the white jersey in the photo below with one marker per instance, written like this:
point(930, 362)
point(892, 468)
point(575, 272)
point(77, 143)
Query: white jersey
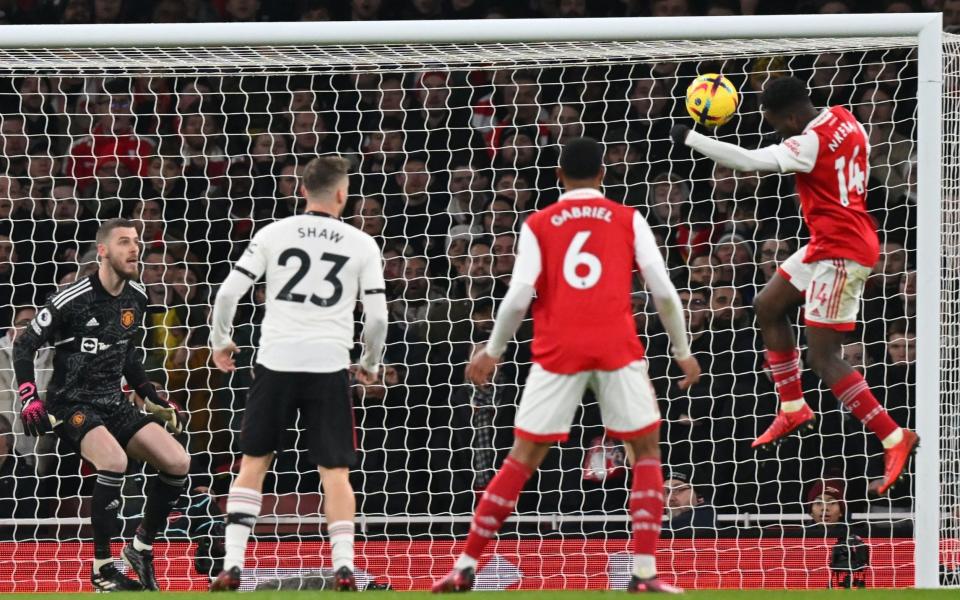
point(316, 268)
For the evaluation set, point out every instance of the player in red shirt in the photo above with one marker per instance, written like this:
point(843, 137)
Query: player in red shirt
point(579, 256)
point(827, 151)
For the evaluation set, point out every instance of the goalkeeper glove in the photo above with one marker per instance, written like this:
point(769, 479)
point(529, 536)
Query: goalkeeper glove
point(33, 413)
point(679, 134)
point(162, 409)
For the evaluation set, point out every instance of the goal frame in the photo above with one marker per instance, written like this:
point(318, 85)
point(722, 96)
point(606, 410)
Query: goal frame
point(925, 27)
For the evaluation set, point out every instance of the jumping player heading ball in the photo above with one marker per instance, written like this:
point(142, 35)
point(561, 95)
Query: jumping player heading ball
point(828, 151)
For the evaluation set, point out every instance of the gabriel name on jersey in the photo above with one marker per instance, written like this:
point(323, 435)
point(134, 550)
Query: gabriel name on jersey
point(94, 336)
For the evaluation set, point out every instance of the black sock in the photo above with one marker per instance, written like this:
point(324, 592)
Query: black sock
point(104, 505)
point(163, 494)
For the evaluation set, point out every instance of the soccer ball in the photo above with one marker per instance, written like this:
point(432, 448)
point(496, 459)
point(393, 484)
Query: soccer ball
point(712, 100)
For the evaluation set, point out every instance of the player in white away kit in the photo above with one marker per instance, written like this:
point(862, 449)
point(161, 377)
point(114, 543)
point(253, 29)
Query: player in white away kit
point(828, 151)
point(579, 256)
point(316, 268)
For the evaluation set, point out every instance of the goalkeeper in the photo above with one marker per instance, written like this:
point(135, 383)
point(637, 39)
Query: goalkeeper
point(94, 326)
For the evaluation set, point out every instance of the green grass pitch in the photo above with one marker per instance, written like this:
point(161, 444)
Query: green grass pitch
point(867, 594)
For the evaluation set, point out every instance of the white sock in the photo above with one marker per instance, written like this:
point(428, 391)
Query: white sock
point(644, 566)
point(99, 562)
point(465, 562)
point(243, 508)
point(893, 439)
point(341, 544)
point(139, 545)
point(793, 405)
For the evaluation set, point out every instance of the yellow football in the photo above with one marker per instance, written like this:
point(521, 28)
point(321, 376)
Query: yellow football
point(712, 100)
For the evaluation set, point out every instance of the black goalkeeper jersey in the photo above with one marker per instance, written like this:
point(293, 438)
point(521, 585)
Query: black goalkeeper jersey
point(96, 338)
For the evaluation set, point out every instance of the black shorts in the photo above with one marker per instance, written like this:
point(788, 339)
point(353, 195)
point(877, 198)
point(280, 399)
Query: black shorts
point(325, 408)
point(122, 419)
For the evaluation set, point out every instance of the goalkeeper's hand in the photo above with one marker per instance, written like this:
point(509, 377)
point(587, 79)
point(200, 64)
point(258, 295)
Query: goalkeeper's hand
point(162, 409)
point(33, 413)
point(679, 134)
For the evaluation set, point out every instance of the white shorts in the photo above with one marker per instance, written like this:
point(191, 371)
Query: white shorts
point(627, 401)
point(833, 289)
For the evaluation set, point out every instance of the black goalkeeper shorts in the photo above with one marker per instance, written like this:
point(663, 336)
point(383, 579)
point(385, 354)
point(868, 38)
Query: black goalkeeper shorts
point(323, 403)
point(122, 419)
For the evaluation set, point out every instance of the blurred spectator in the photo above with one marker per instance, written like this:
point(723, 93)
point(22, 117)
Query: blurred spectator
point(367, 215)
point(503, 260)
point(513, 103)
point(668, 201)
point(413, 211)
point(202, 155)
point(14, 145)
point(76, 12)
point(241, 10)
point(831, 80)
point(112, 148)
point(501, 217)
point(366, 10)
point(16, 284)
point(467, 197)
point(726, 308)
point(622, 182)
point(565, 123)
point(18, 481)
point(687, 513)
point(890, 150)
point(734, 256)
point(24, 445)
point(702, 270)
point(670, 8)
point(43, 116)
point(772, 254)
point(826, 501)
point(311, 136)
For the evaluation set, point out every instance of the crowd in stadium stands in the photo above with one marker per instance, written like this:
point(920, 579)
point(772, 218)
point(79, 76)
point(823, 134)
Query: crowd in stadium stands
point(448, 164)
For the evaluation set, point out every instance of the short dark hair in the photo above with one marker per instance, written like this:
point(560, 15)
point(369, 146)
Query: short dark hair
point(107, 227)
point(323, 172)
point(581, 158)
point(783, 94)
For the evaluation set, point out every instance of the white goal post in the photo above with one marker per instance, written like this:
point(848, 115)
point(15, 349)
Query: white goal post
point(415, 46)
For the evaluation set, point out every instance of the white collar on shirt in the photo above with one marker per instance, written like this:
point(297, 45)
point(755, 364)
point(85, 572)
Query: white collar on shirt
point(581, 194)
point(817, 120)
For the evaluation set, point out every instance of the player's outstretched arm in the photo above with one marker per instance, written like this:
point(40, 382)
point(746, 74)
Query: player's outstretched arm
point(731, 155)
point(33, 412)
point(666, 298)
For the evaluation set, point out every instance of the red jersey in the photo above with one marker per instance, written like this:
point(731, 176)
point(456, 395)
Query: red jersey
point(582, 316)
point(830, 160)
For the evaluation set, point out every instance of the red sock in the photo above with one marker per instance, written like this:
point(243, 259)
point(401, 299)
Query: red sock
point(855, 394)
point(646, 505)
point(497, 503)
point(785, 367)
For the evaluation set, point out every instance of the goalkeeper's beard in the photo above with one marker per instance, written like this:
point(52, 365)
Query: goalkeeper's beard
point(124, 268)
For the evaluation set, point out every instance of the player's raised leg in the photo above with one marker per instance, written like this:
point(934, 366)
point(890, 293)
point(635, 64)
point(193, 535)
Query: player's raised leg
point(850, 388)
point(100, 448)
point(153, 445)
point(243, 508)
point(496, 504)
point(773, 306)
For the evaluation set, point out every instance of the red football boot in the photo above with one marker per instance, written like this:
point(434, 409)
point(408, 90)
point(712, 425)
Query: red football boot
point(895, 459)
point(226, 581)
point(652, 585)
point(785, 424)
point(458, 580)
